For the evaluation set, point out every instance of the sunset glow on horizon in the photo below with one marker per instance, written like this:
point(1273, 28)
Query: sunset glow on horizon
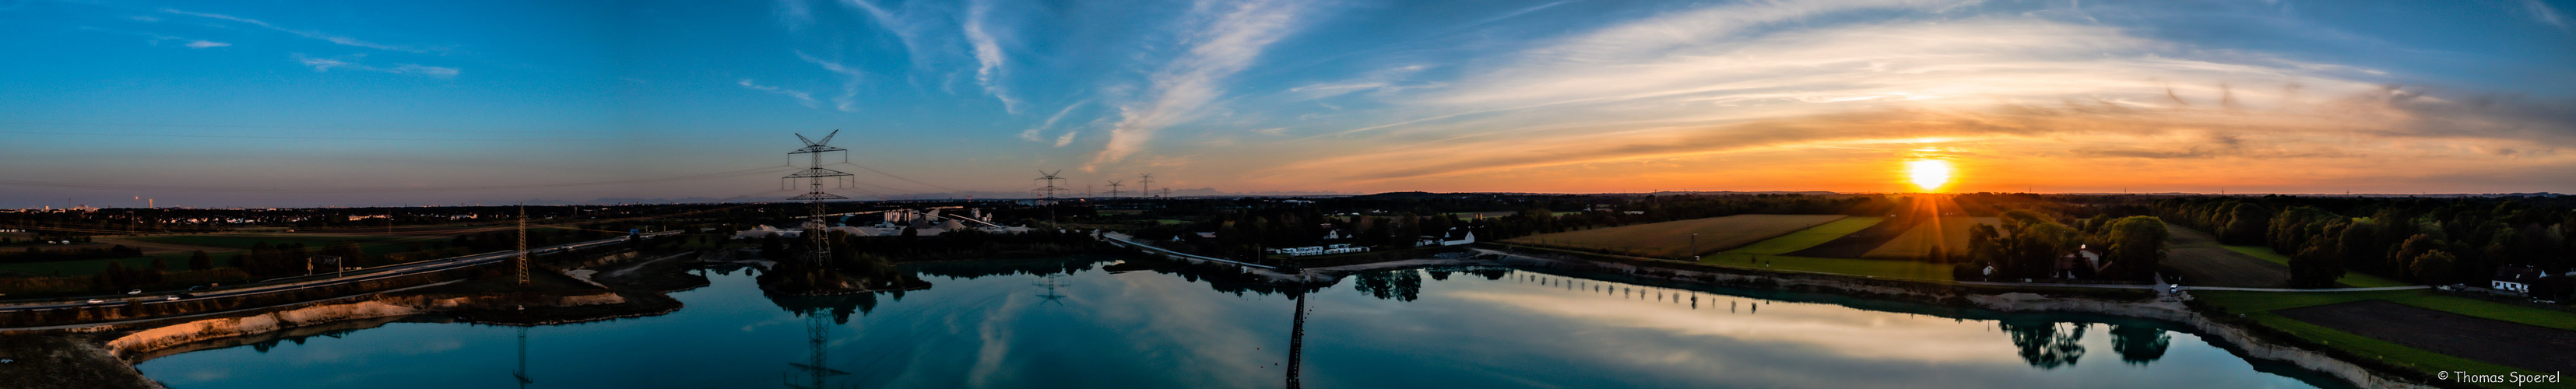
point(661, 101)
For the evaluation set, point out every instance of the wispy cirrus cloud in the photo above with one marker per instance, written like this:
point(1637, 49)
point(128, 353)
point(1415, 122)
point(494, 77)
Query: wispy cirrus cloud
point(2545, 14)
point(1035, 134)
point(327, 64)
point(1224, 38)
point(157, 39)
point(848, 100)
point(334, 39)
point(988, 54)
point(806, 99)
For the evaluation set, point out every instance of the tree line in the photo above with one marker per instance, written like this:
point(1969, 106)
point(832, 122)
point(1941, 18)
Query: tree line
point(2424, 240)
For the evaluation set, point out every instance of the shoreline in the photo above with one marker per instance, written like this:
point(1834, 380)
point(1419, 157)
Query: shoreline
point(136, 346)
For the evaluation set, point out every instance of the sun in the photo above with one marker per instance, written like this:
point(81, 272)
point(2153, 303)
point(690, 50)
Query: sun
point(1928, 174)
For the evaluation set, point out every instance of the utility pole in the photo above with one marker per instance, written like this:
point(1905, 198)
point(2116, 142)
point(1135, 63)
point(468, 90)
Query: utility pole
point(814, 174)
point(1113, 188)
point(523, 245)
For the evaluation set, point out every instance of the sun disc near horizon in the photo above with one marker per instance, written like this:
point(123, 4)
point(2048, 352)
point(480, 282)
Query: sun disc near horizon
point(1928, 174)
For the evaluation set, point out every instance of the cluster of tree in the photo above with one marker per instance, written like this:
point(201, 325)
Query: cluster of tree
point(2425, 240)
point(2028, 244)
point(35, 254)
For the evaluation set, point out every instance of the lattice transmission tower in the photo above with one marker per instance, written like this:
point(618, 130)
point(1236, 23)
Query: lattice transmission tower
point(814, 174)
point(1146, 185)
point(523, 245)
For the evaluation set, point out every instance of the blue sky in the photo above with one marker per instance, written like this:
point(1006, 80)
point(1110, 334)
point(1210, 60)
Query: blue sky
point(225, 103)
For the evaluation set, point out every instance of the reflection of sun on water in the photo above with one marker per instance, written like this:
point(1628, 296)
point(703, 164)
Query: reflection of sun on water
point(1928, 174)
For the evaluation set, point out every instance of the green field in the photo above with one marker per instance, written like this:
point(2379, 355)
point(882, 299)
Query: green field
point(1951, 234)
point(1810, 237)
point(2259, 306)
point(1675, 239)
point(2351, 278)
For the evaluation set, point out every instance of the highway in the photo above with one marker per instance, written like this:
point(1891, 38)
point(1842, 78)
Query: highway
point(297, 283)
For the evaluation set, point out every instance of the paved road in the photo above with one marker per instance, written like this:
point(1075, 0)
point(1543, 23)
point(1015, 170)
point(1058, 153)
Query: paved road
point(377, 273)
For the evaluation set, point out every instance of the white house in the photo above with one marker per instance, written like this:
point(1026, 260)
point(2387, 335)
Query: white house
point(2517, 279)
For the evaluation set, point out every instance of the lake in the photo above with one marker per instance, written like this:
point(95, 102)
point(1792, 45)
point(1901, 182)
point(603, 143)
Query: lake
point(1081, 323)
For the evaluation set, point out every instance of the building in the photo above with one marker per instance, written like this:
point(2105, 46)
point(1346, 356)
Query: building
point(2516, 279)
point(2085, 259)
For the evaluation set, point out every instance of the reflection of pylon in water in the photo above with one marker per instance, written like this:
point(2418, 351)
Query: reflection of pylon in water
point(818, 333)
point(1296, 341)
point(522, 372)
point(1051, 295)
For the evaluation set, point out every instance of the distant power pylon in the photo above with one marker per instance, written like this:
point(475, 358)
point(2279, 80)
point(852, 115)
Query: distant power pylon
point(814, 174)
point(1113, 188)
point(1050, 187)
point(523, 245)
point(1146, 185)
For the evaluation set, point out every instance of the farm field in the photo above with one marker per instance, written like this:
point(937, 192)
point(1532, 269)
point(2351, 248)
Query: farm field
point(1810, 237)
point(1950, 233)
point(2200, 261)
point(2350, 278)
point(2267, 308)
point(1673, 239)
point(2494, 341)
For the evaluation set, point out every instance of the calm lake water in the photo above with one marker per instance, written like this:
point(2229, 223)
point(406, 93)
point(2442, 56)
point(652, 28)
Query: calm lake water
point(1076, 323)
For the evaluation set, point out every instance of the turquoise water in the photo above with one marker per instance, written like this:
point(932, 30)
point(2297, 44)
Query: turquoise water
point(1072, 323)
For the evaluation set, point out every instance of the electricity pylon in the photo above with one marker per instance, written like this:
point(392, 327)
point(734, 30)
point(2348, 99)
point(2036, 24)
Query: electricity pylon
point(523, 245)
point(1146, 185)
point(814, 174)
point(1050, 187)
point(1050, 190)
point(1113, 188)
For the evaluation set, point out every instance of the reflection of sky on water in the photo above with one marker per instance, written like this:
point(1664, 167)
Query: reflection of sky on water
point(1144, 329)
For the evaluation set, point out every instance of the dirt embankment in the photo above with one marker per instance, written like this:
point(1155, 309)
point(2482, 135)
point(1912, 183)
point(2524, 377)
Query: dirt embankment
point(145, 342)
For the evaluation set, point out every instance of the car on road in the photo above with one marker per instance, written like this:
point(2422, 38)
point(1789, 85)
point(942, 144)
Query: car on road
point(134, 292)
point(169, 298)
point(97, 301)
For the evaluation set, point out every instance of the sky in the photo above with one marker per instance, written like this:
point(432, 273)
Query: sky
point(316, 103)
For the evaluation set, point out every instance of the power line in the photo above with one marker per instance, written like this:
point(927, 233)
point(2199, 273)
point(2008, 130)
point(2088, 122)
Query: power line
point(315, 137)
point(361, 189)
point(865, 167)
